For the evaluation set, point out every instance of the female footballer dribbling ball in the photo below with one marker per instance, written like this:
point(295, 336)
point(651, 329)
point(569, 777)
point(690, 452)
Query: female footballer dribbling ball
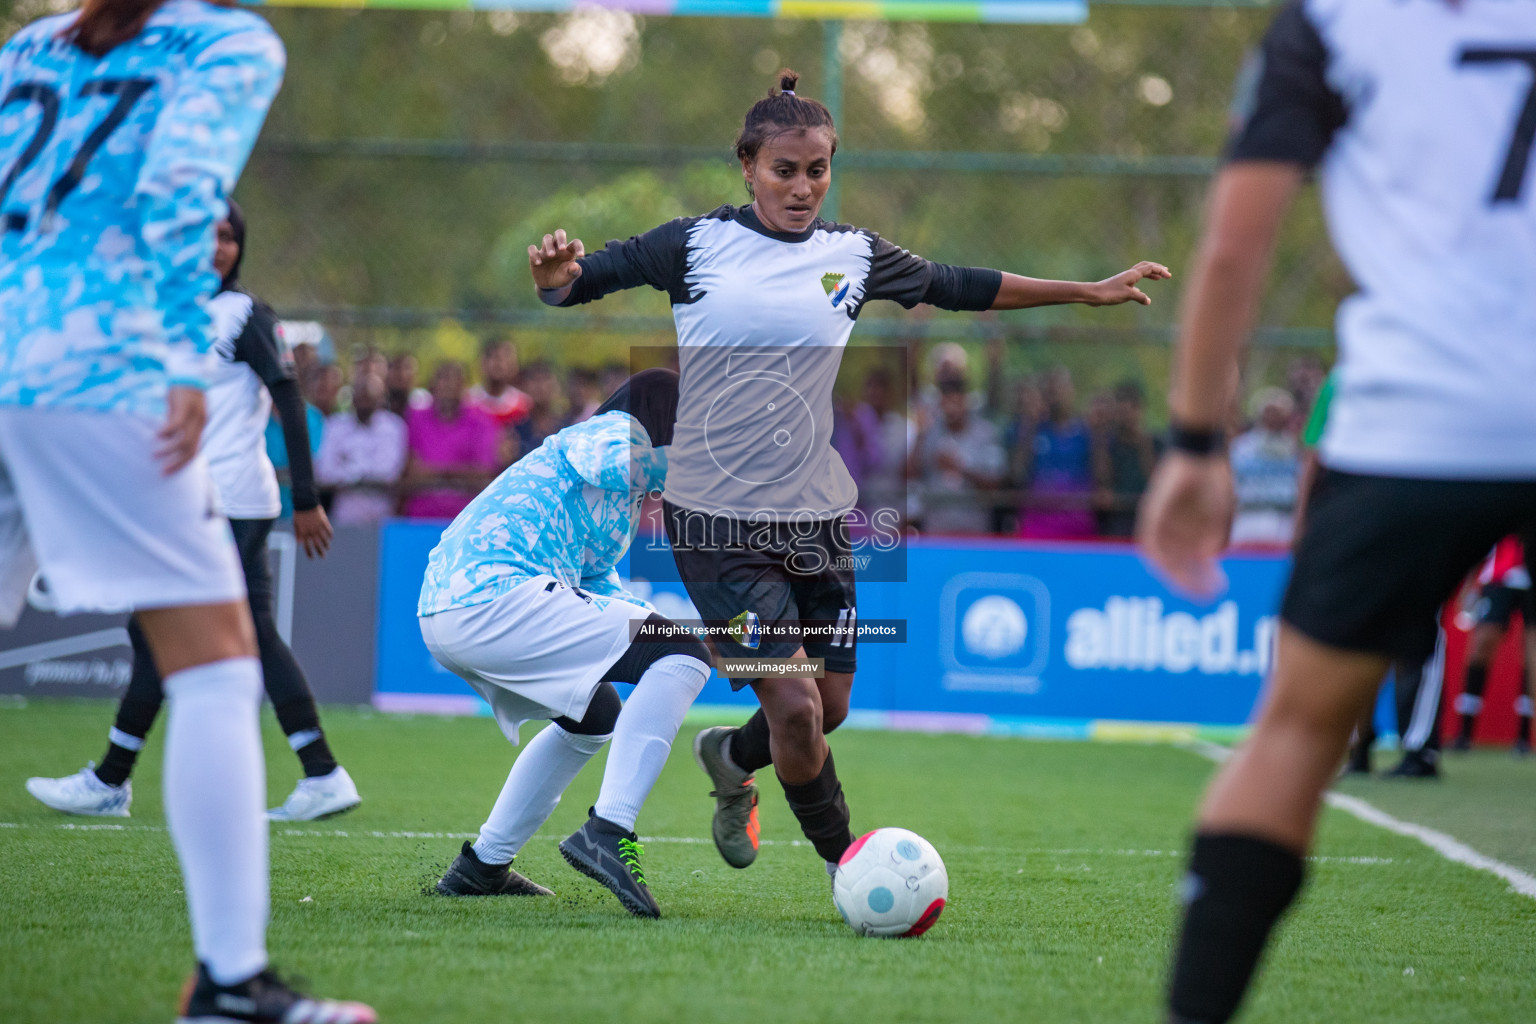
point(765, 297)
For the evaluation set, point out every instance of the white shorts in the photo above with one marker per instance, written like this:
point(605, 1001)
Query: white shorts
point(110, 531)
point(538, 651)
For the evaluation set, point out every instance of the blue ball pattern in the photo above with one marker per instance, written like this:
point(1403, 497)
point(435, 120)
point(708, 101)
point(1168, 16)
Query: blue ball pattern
point(881, 900)
point(908, 850)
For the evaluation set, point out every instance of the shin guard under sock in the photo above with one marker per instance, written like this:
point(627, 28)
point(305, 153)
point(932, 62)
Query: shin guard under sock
point(538, 778)
point(748, 748)
point(1236, 889)
point(643, 736)
point(822, 812)
point(215, 805)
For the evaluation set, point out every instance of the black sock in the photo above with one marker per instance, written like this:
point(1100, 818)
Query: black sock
point(292, 701)
point(316, 756)
point(1525, 728)
point(136, 712)
point(822, 812)
point(1468, 723)
point(1236, 889)
point(749, 745)
point(116, 765)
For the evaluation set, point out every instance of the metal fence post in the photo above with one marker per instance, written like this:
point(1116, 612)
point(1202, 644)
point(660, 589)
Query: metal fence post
point(832, 95)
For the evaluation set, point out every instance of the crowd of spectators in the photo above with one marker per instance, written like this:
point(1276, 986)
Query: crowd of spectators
point(1033, 460)
point(946, 448)
point(386, 445)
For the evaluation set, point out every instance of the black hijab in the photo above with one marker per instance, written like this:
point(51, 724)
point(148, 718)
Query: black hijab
point(650, 396)
point(236, 218)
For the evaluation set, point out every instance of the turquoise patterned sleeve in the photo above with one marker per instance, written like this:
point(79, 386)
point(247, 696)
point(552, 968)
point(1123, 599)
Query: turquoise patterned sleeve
point(569, 509)
point(201, 142)
point(599, 450)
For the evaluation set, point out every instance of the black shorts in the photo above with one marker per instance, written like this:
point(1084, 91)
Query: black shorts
point(1379, 555)
point(767, 582)
point(1496, 604)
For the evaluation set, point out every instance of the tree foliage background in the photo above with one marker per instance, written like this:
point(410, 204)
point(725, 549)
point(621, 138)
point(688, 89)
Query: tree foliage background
point(428, 251)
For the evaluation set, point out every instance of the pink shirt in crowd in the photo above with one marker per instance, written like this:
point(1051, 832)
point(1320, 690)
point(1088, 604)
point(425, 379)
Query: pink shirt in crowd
point(472, 439)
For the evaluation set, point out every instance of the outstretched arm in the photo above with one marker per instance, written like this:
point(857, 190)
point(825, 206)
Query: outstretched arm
point(903, 277)
point(1018, 292)
point(567, 275)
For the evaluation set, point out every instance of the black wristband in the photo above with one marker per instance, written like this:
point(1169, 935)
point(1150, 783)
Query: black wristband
point(1196, 440)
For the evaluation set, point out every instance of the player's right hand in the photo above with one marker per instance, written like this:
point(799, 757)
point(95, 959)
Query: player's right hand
point(1186, 519)
point(553, 263)
point(185, 413)
point(312, 529)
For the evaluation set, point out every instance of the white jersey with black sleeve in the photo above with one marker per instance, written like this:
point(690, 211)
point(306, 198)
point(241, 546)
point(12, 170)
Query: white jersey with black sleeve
point(762, 319)
point(251, 357)
point(1420, 118)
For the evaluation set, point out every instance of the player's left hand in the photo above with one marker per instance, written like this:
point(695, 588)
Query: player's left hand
point(1113, 291)
point(312, 529)
point(186, 411)
point(1185, 520)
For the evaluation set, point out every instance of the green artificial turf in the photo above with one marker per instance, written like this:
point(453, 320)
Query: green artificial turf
point(1485, 798)
point(1063, 861)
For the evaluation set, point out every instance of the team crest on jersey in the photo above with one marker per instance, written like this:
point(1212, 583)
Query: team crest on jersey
point(746, 630)
point(836, 287)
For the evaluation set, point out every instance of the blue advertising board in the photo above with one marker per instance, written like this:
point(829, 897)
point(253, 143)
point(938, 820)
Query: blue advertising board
point(1001, 636)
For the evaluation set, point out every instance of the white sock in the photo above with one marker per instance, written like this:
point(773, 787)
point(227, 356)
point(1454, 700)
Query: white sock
point(542, 771)
point(643, 737)
point(215, 804)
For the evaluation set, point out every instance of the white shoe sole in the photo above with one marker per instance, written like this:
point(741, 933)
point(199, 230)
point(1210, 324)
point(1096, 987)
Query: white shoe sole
point(326, 811)
point(121, 812)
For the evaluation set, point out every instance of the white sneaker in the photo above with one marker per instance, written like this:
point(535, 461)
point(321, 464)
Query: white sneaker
point(320, 797)
point(83, 793)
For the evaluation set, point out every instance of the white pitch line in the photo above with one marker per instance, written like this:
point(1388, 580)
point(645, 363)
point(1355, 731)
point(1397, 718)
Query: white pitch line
point(1005, 851)
point(1447, 846)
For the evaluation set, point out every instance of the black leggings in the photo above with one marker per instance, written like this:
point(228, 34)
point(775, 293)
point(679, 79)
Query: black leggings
point(285, 682)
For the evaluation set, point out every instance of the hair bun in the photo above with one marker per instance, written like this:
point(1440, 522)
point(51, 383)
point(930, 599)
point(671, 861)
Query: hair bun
point(788, 80)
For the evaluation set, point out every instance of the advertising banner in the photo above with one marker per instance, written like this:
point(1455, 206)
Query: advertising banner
point(983, 635)
point(323, 607)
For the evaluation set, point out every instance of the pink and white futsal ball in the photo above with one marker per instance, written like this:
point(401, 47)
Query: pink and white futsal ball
point(890, 884)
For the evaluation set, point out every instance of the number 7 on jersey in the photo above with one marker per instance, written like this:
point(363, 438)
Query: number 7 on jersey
point(1512, 178)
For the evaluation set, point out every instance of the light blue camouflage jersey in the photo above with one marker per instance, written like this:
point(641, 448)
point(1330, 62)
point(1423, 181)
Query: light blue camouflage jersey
point(114, 172)
point(568, 509)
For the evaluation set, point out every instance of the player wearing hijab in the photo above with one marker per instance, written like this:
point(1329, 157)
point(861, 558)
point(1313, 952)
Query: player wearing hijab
point(1418, 120)
point(765, 297)
point(123, 127)
point(251, 376)
point(522, 600)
